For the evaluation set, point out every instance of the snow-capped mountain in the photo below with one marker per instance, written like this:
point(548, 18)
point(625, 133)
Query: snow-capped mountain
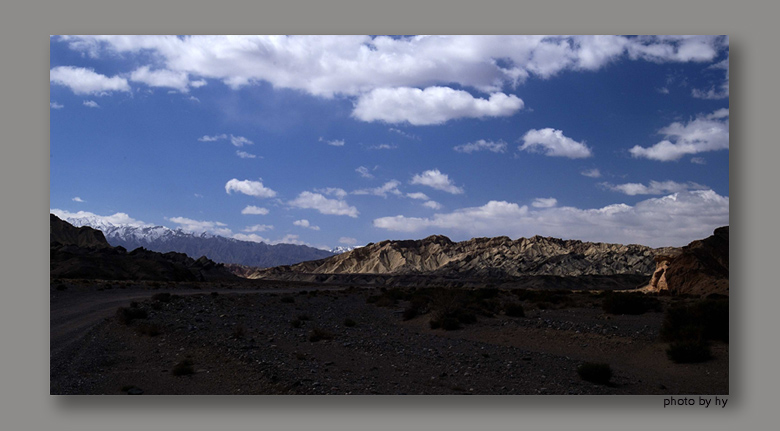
point(217, 248)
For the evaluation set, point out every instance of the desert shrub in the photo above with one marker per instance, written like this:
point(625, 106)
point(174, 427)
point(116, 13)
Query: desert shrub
point(349, 322)
point(703, 320)
point(410, 312)
point(296, 323)
point(61, 287)
point(183, 368)
point(629, 303)
point(544, 305)
point(318, 334)
point(372, 299)
point(385, 301)
point(486, 293)
point(126, 315)
point(162, 297)
point(156, 306)
point(450, 324)
point(134, 304)
point(304, 317)
point(684, 352)
point(214, 294)
point(465, 317)
point(288, 299)
point(435, 324)
point(513, 309)
point(151, 329)
point(594, 372)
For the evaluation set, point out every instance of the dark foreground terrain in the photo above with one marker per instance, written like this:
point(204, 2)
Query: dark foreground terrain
point(275, 338)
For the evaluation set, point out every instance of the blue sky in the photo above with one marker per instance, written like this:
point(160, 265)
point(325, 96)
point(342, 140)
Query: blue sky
point(345, 140)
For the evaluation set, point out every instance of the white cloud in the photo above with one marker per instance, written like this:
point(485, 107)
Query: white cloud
point(289, 239)
point(347, 240)
point(333, 191)
point(200, 226)
point(482, 145)
point(240, 141)
point(363, 171)
point(404, 134)
point(383, 147)
point(77, 199)
point(194, 99)
point(334, 143)
point(326, 66)
point(698, 160)
point(662, 90)
point(198, 195)
point(715, 92)
point(432, 204)
point(433, 105)
point(245, 155)
point(85, 81)
point(214, 138)
point(161, 78)
point(544, 202)
point(591, 173)
point(388, 187)
point(418, 195)
point(672, 220)
point(305, 223)
point(197, 84)
point(91, 104)
point(55, 105)
point(251, 188)
point(309, 200)
point(655, 187)
point(258, 228)
point(437, 180)
point(553, 143)
point(117, 219)
point(253, 210)
point(704, 133)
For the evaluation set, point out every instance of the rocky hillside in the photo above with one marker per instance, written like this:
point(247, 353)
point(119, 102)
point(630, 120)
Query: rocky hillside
point(486, 258)
point(701, 267)
point(84, 253)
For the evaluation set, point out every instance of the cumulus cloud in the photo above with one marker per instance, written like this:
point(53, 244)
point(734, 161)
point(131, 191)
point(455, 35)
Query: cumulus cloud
point(433, 105)
point(84, 81)
point(317, 201)
point(91, 104)
point(704, 133)
point(238, 141)
point(591, 173)
point(258, 228)
point(383, 147)
point(214, 138)
point(418, 195)
point(347, 240)
point(245, 155)
point(326, 66)
point(201, 226)
point(544, 202)
point(482, 145)
point(363, 171)
point(161, 78)
point(654, 188)
point(432, 204)
point(117, 219)
point(553, 143)
point(253, 210)
point(388, 187)
point(333, 191)
point(55, 105)
point(334, 142)
point(439, 181)
point(248, 187)
point(698, 160)
point(77, 199)
point(672, 220)
point(404, 134)
point(305, 224)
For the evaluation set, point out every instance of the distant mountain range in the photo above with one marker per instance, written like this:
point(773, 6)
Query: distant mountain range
point(217, 248)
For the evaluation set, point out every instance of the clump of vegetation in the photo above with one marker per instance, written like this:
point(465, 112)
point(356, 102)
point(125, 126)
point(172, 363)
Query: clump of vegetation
point(703, 320)
point(595, 372)
point(126, 315)
point(304, 317)
point(318, 334)
point(450, 324)
point(629, 303)
point(239, 331)
point(689, 351)
point(296, 323)
point(183, 368)
point(349, 322)
point(288, 299)
point(513, 309)
point(162, 297)
point(151, 329)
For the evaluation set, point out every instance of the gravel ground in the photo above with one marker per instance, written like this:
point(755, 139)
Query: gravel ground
point(261, 343)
